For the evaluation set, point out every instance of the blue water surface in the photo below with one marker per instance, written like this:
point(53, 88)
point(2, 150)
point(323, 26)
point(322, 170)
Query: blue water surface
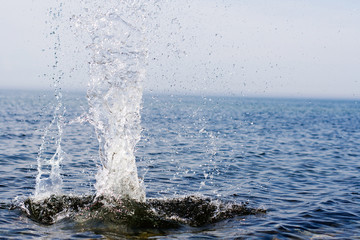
point(297, 158)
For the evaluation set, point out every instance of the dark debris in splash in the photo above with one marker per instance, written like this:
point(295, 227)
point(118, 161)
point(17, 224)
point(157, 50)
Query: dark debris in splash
point(47, 210)
point(198, 211)
point(154, 213)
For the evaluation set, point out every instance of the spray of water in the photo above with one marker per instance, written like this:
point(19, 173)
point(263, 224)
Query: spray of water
point(118, 35)
point(50, 156)
point(116, 42)
point(117, 68)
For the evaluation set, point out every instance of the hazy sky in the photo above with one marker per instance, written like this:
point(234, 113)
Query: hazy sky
point(269, 48)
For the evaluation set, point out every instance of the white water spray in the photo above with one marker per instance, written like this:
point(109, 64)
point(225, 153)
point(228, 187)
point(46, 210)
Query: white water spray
point(117, 68)
point(49, 180)
point(116, 35)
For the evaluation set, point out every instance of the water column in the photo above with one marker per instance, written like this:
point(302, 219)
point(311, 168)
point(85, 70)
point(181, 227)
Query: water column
point(115, 93)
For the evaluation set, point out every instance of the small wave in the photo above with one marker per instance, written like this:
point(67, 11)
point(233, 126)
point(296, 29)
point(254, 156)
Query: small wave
point(154, 213)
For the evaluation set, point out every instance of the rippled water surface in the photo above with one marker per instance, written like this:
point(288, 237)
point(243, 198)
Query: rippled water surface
point(297, 159)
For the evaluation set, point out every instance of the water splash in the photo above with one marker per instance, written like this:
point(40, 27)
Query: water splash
point(116, 34)
point(117, 69)
point(118, 40)
point(49, 180)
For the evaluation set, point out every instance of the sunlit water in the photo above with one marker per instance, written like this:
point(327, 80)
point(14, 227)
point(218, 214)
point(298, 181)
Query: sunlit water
point(297, 159)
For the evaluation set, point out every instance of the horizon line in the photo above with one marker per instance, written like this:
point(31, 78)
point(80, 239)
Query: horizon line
point(202, 94)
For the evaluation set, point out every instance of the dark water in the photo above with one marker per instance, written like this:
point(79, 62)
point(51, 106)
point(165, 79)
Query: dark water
point(298, 159)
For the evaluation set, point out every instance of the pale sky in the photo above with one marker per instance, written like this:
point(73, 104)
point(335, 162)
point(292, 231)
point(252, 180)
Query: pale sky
point(289, 48)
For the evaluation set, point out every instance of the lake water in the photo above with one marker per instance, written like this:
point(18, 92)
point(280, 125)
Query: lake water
point(297, 159)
